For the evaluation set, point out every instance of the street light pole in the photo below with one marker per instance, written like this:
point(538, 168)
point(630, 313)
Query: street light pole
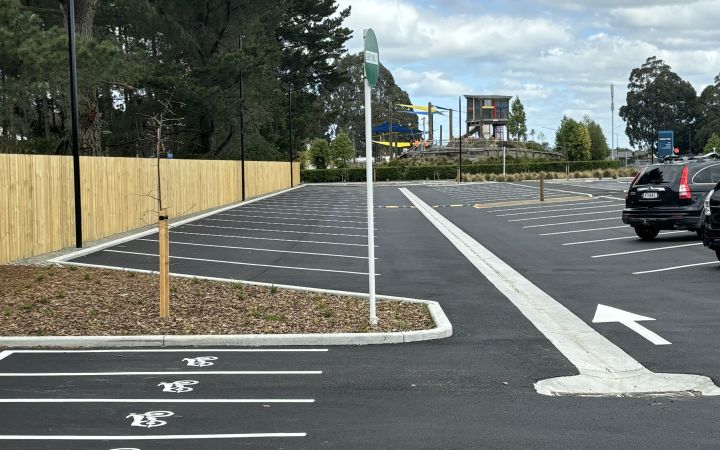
point(242, 129)
point(74, 117)
point(460, 136)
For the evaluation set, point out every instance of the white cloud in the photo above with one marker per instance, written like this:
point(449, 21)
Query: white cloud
point(428, 83)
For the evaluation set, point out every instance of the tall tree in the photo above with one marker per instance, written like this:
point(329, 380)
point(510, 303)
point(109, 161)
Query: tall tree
point(341, 150)
point(517, 121)
point(708, 113)
point(599, 149)
point(657, 99)
point(344, 105)
point(573, 139)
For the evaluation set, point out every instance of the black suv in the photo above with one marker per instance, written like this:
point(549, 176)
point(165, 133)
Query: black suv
point(711, 237)
point(669, 197)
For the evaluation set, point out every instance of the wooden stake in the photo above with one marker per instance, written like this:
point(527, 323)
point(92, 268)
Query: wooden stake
point(542, 187)
point(164, 264)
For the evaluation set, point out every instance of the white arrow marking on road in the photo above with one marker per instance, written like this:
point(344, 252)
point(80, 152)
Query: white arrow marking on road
point(605, 314)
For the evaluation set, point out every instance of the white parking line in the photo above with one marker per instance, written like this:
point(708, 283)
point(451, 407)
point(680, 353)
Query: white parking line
point(617, 238)
point(325, 211)
point(565, 215)
point(219, 261)
point(176, 350)
point(268, 239)
point(4, 354)
point(156, 400)
point(258, 249)
point(264, 230)
point(671, 247)
point(582, 231)
point(293, 218)
point(159, 437)
point(187, 372)
point(676, 267)
point(313, 206)
point(555, 205)
point(570, 223)
point(555, 210)
point(275, 211)
point(287, 224)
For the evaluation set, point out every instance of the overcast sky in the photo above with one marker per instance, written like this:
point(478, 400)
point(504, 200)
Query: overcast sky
point(559, 56)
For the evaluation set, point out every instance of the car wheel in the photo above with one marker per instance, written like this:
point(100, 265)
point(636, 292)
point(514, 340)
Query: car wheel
point(700, 233)
point(646, 233)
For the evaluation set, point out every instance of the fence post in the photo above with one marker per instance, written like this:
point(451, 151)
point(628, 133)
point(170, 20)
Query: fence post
point(164, 264)
point(542, 187)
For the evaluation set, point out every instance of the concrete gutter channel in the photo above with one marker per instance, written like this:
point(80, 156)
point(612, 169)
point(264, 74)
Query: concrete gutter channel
point(443, 327)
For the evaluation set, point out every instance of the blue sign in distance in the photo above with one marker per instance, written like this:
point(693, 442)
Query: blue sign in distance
point(666, 142)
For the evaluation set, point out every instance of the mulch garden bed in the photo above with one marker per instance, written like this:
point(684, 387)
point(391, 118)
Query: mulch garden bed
point(73, 301)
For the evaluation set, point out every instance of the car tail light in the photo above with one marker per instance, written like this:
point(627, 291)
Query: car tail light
point(632, 183)
point(684, 190)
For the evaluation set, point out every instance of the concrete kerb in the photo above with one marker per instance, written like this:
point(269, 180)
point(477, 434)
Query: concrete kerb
point(443, 329)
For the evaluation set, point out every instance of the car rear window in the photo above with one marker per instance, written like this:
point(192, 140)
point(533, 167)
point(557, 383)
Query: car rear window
point(660, 175)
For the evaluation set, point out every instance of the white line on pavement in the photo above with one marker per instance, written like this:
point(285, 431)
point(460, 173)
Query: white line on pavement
point(273, 230)
point(259, 249)
point(676, 267)
point(564, 215)
point(555, 205)
point(4, 354)
point(312, 225)
point(555, 210)
point(178, 350)
point(570, 223)
point(156, 400)
point(237, 263)
point(554, 190)
point(582, 231)
point(274, 211)
point(605, 369)
point(617, 238)
point(159, 437)
point(186, 372)
point(324, 211)
point(269, 239)
point(293, 218)
point(670, 247)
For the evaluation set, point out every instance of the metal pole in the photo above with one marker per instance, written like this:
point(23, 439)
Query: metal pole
point(390, 139)
point(612, 120)
point(290, 152)
point(242, 131)
point(460, 135)
point(370, 206)
point(503, 162)
point(74, 114)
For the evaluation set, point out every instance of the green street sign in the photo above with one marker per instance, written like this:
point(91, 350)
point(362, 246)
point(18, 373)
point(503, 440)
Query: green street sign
point(372, 57)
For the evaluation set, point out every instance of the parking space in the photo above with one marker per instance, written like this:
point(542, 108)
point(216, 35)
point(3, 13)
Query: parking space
point(283, 239)
point(175, 398)
point(480, 193)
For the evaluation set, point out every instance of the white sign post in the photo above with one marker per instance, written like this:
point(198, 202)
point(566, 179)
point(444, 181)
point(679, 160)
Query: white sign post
point(372, 66)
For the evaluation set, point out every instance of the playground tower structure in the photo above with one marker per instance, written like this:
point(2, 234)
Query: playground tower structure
point(487, 116)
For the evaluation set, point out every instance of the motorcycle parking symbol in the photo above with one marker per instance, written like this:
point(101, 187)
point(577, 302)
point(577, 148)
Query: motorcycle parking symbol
point(149, 419)
point(179, 386)
point(200, 361)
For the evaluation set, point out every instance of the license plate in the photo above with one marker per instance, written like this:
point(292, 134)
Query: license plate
point(650, 195)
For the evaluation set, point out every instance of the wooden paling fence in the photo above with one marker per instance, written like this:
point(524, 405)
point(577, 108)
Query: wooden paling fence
point(37, 206)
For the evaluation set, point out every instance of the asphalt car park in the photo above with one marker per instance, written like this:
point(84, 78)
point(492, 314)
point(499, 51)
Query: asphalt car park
point(473, 390)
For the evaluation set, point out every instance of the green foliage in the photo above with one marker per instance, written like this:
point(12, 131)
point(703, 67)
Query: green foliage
point(319, 153)
point(657, 99)
point(598, 144)
point(713, 144)
point(345, 104)
point(447, 172)
point(516, 124)
point(341, 150)
point(573, 139)
point(134, 53)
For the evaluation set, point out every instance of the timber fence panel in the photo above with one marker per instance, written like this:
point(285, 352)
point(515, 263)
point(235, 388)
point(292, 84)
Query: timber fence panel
point(37, 202)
